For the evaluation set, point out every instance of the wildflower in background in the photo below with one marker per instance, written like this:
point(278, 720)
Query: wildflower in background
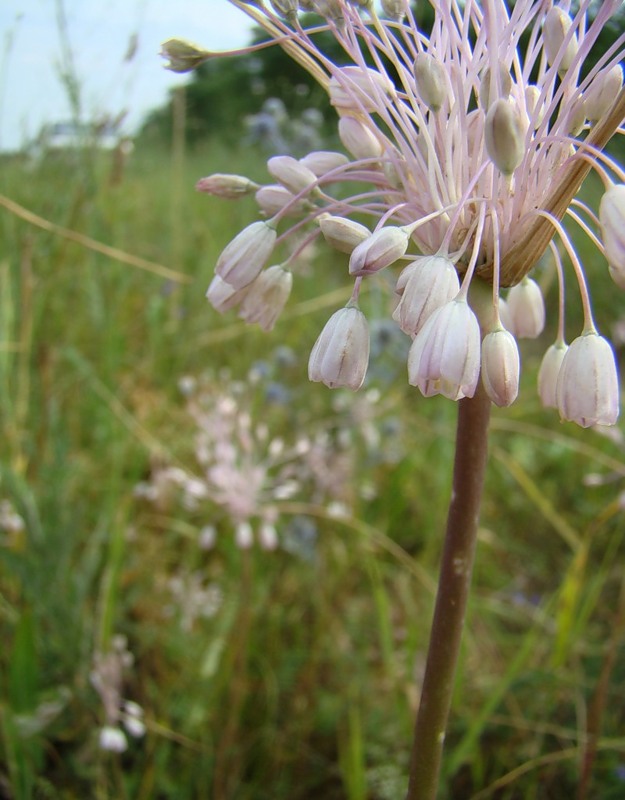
point(467, 147)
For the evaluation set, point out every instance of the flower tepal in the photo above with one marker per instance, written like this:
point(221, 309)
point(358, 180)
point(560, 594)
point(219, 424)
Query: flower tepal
point(465, 150)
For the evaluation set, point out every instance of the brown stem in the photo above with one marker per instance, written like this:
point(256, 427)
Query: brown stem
point(451, 599)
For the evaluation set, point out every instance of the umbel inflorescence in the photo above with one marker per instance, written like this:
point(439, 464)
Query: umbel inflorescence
point(466, 150)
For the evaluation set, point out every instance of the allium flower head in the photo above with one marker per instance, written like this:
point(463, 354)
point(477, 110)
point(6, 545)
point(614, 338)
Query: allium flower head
point(472, 142)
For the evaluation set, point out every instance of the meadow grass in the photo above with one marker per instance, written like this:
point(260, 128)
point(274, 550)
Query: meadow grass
point(290, 673)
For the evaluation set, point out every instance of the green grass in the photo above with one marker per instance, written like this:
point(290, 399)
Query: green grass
point(302, 681)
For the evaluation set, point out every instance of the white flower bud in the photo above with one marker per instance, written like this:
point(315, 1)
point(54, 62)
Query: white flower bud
point(183, 55)
point(548, 374)
point(274, 198)
point(358, 138)
point(535, 111)
point(501, 90)
point(394, 9)
point(612, 218)
point(576, 115)
point(379, 250)
point(323, 161)
point(340, 355)
point(504, 135)
point(445, 355)
point(603, 91)
point(501, 366)
point(222, 296)
point(555, 29)
point(291, 173)
point(587, 390)
point(425, 285)
point(341, 233)
point(527, 309)
point(354, 88)
point(113, 739)
point(244, 257)
point(230, 187)
point(266, 297)
point(430, 79)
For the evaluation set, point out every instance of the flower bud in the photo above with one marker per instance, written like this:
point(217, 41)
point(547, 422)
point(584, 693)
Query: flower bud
point(445, 355)
point(425, 285)
point(323, 161)
point(557, 25)
point(527, 309)
point(222, 296)
point(358, 138)
point(535, 111)
point(379, 250)
point(504, 135)
point(430, 79)
point(587, 390)
point(291, 173)
point(603, 91)
point(287, 9)
point(273, 198)
point(501, 366)
point(340, 355)
point(394, 9)
point(548, 374)
point(183, 56)
point(244, 257)
point(230, 187)
point(356, 88)
point(341, 233)
point(612, 218)
point(501, 90)
point(266, 297)
point(576, 115)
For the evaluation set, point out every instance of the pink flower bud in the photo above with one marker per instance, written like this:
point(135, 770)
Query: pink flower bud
point(548, 374)
point(242, 259)
point(274, 198)
point(501, 366)
point(266, 296)
point(341, 233)
point(222, 296)
point(556, 26)
point(587, 390)
point(527, 309)
point(323, 161)
point(431, 282)
point(358, 138)
point(612, 218)
point(603, 91)
point(356, 88)
point(291, 173)
point(430, 79)
point(445, 355)
point(504, 135)
point(341, 353)
point(379, 250)
point(230, 187)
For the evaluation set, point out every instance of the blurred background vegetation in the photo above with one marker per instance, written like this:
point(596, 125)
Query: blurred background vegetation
point(289, 668)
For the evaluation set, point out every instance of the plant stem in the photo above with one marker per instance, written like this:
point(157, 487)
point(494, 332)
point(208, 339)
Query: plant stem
point(453, 591)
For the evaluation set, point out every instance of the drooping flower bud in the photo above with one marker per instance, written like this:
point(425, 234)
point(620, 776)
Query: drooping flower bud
point(548, 374)
point(358, 138)
point(322, 161)
point(230, 187)
point(504, 135)
point(341, 233)
point(501, 89)
point(557, 25)
point(445, 355)
point(527, 309)
point(603, 91)
point(430, 79)
point(340, 355)
point(587, 390)
point(427, 284)
point(274, 197)
point(612, 218)
point(183, 56)
point(222, 296)
point(356, 88)
point(291, 173)
point(379, 250)
point(244, 257)
point(501, 366)
point(266, 297)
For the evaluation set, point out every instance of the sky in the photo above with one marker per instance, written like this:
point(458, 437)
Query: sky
point(99, 34)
